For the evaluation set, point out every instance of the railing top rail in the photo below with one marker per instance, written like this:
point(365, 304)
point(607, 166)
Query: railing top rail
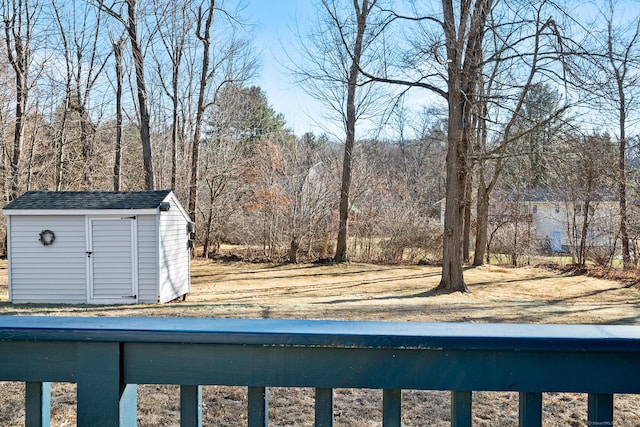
point(321, 333)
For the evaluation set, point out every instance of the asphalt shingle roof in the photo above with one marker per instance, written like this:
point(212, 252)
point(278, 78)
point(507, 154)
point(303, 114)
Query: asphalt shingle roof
point(89, 200)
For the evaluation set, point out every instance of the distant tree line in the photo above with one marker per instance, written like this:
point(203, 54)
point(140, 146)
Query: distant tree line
point(515, 96)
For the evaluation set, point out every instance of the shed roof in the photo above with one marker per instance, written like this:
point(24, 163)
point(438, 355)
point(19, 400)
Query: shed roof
point(75, 200)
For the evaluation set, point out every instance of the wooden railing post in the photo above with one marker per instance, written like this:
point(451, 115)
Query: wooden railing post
point(37, 404)
point(102, 399)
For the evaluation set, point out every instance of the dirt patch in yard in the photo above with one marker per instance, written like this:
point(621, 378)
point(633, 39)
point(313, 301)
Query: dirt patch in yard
point(362, 292)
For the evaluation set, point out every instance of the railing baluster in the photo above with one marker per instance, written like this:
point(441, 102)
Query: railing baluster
point(258, 407)
point(37, 404)
point(129, 405)
point(391, 408)
point(600, 412)
point(530, 412)
point(191, 406)
point(324, 407)
point(461, 409)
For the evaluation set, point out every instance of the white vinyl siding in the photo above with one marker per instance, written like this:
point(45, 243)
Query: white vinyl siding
point(147, 259)
point(138, 263)
point(174, 254)
point(54, 274)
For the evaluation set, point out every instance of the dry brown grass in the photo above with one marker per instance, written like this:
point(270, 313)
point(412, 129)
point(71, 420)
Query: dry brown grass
point(363, 292)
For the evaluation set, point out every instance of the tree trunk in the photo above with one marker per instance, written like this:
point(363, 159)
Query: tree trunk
point(207, 233)
point(131, 26)
point(32, 150)
point(60, 143)
point(18, 28)
point(18, 136)
point(622, 181)
point(621, 63)
point(174, 126)
point(87, 149)
point(293, 250)
point(117, 163)
point(138, 60)
point(466, 236)
point(205, 38)
point(482, 221)
point(341, 246)
point(452, 277)
point(516, 222)
point(464, 52)
point(582, 256)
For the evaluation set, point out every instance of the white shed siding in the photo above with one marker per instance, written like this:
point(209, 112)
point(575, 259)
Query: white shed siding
point(174, 254)
point(148, 259)
point(155, 270)
point(54, 273)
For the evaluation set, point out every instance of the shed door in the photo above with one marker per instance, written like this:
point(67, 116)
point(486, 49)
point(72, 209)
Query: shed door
point(112, 260)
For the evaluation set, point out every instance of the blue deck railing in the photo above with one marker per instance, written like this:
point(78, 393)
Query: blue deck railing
point(108, 357)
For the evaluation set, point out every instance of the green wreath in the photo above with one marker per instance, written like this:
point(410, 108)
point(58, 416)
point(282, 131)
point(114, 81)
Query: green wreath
point(47, 237)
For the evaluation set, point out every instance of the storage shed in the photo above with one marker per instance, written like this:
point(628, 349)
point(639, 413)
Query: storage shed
point(97, 247)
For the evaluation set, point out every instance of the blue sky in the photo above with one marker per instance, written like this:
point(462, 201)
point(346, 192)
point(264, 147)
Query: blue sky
point(275, 31)
point(277, 23)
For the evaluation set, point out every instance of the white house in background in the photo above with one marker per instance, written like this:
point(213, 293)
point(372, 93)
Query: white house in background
point(97, 247)
point(551, 217)
point(558, 222)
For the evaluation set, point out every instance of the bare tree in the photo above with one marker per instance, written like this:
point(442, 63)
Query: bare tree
point(7, 98)
point(227, 154)
point(129, 20)
point(447, 62)
point(80, 37)
point(174, 26)
point(361, 13)
point(448, 55)
point(230, 63)
point(19, 17)
point(203, 32)
point(61, 134)
point(526, 52)
point(306, 192)
point(117, 46)
point(334, 54)
point(586, 176)
point(607, 69)
point(464, 61)
point(623, 66)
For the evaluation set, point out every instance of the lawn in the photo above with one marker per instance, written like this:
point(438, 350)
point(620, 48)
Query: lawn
point(363, 292)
